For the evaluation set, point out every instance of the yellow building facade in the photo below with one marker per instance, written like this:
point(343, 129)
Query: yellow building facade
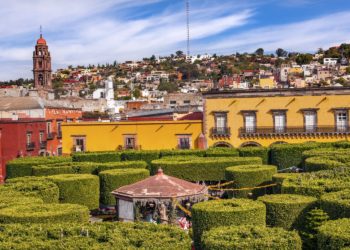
point(141, 135)
point(266, 116)
point(267, 83)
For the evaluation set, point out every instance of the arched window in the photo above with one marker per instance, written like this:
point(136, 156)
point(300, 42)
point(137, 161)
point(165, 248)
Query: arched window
point(222, 144)
point(250, 144)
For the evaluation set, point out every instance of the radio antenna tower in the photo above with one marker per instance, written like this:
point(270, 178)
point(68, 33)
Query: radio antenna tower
point(188, 25)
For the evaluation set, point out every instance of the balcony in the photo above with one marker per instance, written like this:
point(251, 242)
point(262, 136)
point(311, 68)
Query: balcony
point(49, 136)
point(293, 131)
point(220, 132)
point(30, 146)
point(43, 145)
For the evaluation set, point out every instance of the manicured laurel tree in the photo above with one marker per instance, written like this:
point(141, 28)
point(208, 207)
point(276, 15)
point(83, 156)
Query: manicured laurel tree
point(334, 234)
point(93, 236)
point(9, 197)
point(35, 186)
point(287, 210)
point(115, 178)
point(196, 152)
point(83, 189)
point(250, 237)
point(317, 183)
point(122, 165)
point(250, 176)
point(320, 163)
point(144, 155)
point(336, 204)
point(44, 213)
point(261, 152)
point(110, 156)
point(215, 213)
point(23, 166)
point(221, 152)
point(279, 178)
point(199, 169)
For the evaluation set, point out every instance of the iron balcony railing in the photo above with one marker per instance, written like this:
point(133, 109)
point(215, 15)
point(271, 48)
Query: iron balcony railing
point(30, 146)
point(308, 130)
point(221, 132)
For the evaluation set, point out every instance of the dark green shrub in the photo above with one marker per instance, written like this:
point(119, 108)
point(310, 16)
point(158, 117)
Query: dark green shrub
point(199, 169)
point(221, 152)
point(320, 163)
point(334, 235)
point(83, 189)
point(279, 178)
point(44, 213)
point(109, 156)
point(261, 152)
point(122, 165)
point(23, 166)
point(35, 186)
point(341, 144)
point(9, 197)
point(144, 155)
point(215, 213)
point(115, 178)
point(336, 204)
point(43, 170)
point(325, 152)
point(187, 152)
point(248, 176)
point(287, 210)
point(251, 237)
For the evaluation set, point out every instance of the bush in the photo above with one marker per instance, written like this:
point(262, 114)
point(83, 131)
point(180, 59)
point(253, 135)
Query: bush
point(9, 197)
point(334, 235)
point(109, 156)
point(83, 189)
point(35, 186)
point(23, 166)
point(187, 152)
point(251, 237)
point(250, 176)
point(115, 178)
point(215, 213)
point(280, 177)
point(287, 210)
point(341, 144)
point(336, 204)
point(200, 169)
point(144, 155)
point(221, 152)
point(122, 165)
point(320, 163)
point(261, 152)
point(325, 152)
point(44, 213)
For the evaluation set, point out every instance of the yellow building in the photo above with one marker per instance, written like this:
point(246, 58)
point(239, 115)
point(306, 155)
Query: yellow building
point(267, 83)
point(266, 116)
point(145, 135)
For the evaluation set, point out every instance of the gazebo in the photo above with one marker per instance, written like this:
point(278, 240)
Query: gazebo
point(155, 199)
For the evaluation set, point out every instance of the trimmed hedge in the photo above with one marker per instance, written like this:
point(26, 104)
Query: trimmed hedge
point(287, 210)
point(325, 152)
point(109, 156)
point(144, 155)
point(215, 213)
point(320, 163)
point(183, 152)
point(9, 197)
point(83, 189)
point(279, 178)
point(93, 236)
point(334, 235)
point(122, 165)
point(44, 213)
point(250, 176)
point(35, 186)
point(115, 178)
point(221, 152)
point(200, 169)
point(23, 166)
point(262, 152)
point(336, 204)
point(251, 237)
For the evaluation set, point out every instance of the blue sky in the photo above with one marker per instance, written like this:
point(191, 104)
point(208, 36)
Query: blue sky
point(95, 31)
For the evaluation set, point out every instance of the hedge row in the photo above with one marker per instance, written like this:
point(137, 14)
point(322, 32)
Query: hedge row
point(262, 152)
point(44, 213)
point(199, 169)
point(215, 213)
point(115, 178)
point(287, 210)
point(251, 237)
point(250, 176)
point(23, 166)
point(279, 178)
point(93, 236)
point(110, 156)
point(221, 152)
point(81, 189)
point(121, 165)
point(10, 198)
point(321, 163)
point(325, 152)
point(336, 204)
point(195, 152)
point(334, 235)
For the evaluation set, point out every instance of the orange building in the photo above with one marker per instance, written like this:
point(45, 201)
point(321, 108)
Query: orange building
point(55, 116)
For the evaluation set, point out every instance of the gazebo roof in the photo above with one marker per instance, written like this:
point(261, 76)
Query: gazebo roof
point(160, 186)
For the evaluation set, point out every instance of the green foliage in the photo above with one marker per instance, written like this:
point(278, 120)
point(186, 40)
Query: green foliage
point(199, 169)
point(83, 189)
point(304, 59)
point(216, 213)
point(116, 178)
point(169, 87)
point(110, 156)
point(221, 152)
point(261, 152)
point(9, 197)
point(326, 152)
point(251, 237)
point(183, 152)
point(144, 155)
point(250, 176)
point(280, 177)
point(44, 213)
point(336, 204)
point(121, 165)
point(334, 235)
point(23, 166)
point(287, 210)
point(321, 163)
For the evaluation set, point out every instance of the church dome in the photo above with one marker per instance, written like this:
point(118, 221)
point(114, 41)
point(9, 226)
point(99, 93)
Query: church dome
point(41, 41)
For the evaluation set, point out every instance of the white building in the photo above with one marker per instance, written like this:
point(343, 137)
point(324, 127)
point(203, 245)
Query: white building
point(330, 61)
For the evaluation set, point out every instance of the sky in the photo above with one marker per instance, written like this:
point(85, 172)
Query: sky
point(82, 32)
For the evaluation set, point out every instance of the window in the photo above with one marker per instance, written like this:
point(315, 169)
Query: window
point(102, 95)
point(48, 128)
point(187, 102)
point(279, 119)
point(341, 120)
point(172, 104)
point(250, 122)
point(221, 122)
point(79, 144)
point(59, 151)
point(59, 129)
point(29, 138)
point(41, 136)
point(310, 121)
point(69, 120)
point(184, 141)
point(130, 142)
